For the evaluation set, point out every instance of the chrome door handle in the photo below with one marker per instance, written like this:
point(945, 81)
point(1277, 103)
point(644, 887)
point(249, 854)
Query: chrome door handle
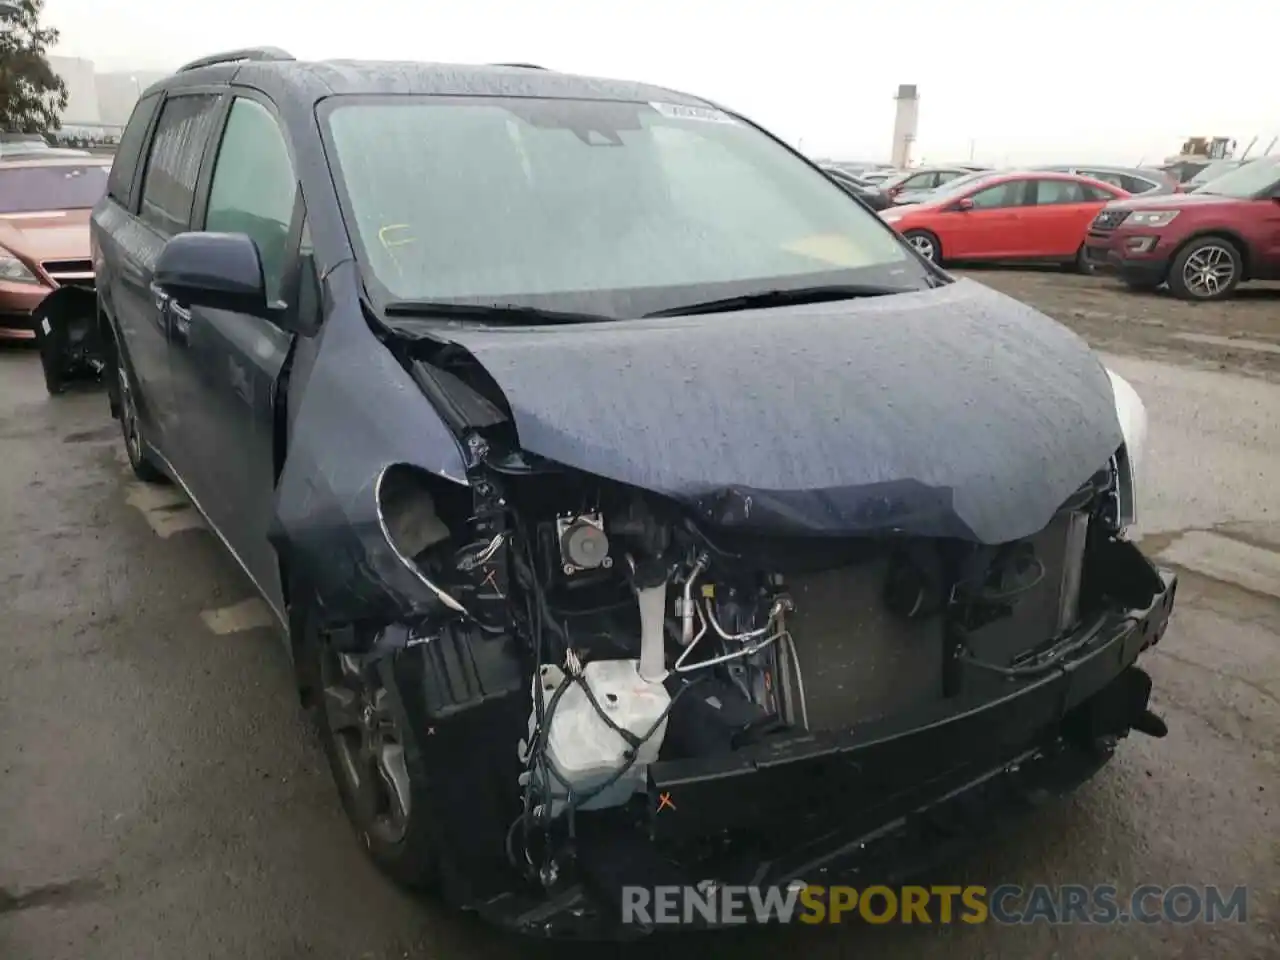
point(180, 324)
point(160, 297)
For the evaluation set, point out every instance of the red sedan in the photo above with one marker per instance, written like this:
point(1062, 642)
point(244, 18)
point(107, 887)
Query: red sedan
point(1006, 216)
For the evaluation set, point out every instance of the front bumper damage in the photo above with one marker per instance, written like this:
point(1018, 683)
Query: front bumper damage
point(878, 803)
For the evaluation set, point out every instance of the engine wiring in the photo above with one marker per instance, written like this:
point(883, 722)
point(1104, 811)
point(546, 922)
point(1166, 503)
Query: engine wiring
point(546, 794)
point(539, 773)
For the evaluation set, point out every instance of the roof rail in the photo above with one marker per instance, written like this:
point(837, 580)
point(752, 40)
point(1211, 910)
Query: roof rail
point(273, 54)
point(525, 66)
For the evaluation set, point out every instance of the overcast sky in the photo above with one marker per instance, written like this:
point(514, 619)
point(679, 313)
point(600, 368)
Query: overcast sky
point(1035, 81)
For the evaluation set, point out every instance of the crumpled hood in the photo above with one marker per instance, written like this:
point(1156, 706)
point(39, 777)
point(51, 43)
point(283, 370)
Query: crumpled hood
point(955, 412)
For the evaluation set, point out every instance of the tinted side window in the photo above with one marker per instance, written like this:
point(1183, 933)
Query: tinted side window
point(1095, 194)
point(174, 165)
point(1050, 192)
point(129, 152)
point(1106, 176)
point(1007, 194)
point(1136, 184)
point(946, 176)
point(254, 188)
point(921, 181)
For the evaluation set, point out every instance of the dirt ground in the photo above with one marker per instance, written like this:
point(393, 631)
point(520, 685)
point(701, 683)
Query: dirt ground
point(1241, 335)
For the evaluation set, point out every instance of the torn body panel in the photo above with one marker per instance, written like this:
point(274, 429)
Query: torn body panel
point(71, 347)
point(955, 412)
point(354, 412)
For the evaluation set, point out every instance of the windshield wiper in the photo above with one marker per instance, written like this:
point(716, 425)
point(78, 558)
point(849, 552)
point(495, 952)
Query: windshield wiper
point(487, 312)
point(782, 298)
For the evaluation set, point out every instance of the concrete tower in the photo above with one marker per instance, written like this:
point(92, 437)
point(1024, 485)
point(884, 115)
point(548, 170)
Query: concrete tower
point(904, 124)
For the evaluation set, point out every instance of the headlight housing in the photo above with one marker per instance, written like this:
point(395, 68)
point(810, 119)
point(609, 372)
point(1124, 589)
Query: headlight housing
point(1132, 414)
point(13, 270)
point(1152, 218)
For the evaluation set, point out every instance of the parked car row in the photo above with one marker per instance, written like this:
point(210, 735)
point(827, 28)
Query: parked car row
point(1201, 244)
point(1022, 216)
point(860, 188)
point(1201, 239)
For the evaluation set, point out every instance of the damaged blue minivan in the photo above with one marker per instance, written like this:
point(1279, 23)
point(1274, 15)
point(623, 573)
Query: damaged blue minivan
point(637, 507)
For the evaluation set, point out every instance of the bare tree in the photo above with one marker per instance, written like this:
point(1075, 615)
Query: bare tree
point(32, 96)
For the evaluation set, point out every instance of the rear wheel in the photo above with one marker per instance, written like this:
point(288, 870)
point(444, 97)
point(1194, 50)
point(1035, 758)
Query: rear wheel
point(925, 244)
point(361, 728)
point(1206, 269)
point(131, 424)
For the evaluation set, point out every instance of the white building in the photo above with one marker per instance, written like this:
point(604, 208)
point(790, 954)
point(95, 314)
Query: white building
point(100, 99)
point(82, 89)
point(906, 119)
point(118, 92)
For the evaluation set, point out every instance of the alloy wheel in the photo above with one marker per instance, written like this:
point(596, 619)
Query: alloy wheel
point(369, 747)
point(1209, 271)
point(923, 245)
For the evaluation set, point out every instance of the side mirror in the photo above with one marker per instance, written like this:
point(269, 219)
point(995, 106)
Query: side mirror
point(963, 204)
point(222, 271)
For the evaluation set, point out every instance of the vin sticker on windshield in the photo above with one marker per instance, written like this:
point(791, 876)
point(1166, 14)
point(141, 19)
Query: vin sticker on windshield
point(679, 111)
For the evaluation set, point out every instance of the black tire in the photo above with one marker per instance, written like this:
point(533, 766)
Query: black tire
point(346, 705)
point(1141, 286)
point(53, 381)
point(1082, 264)
point(922, 241)
point(1206, 269)
point(122, 386)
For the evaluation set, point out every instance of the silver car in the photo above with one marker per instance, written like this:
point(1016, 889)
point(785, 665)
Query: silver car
point(1135, 180)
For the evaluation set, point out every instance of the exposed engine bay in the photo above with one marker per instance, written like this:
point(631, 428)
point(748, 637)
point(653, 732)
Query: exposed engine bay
point(619, 632)
point(735, 656)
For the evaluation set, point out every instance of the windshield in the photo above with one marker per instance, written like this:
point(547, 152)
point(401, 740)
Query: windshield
point(60, 187)
point(605, 207)
point(1213, 171)
point(1247, 181)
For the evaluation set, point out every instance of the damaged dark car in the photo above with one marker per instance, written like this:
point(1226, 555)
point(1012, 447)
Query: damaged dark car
point(639, 509)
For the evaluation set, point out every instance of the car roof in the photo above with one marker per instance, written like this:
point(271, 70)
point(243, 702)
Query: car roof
point(931, 167)
point(58, 160)
point(312, 81)
point(1106, 167)
point(1027, 174)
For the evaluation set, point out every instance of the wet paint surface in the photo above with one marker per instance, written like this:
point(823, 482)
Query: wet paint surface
point(952, 412)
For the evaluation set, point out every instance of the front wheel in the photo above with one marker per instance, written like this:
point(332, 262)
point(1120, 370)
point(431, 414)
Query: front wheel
point(363, 733)
point(925, 244)
point(1206, 269)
